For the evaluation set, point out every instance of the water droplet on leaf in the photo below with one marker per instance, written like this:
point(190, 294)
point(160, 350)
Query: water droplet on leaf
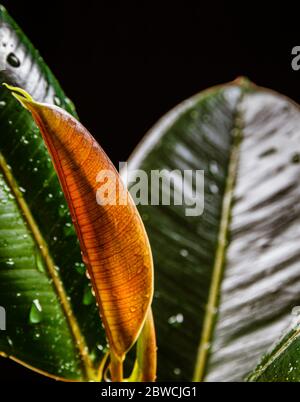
point(80, 267)
point(213, 188)
point(24, 140)
point(184, 253)
point(88, 297)
point(9, 341)
point(56, 100)
point(68, 229)
point(39, 262)
point(213, 167)
point(13, 60)
point(176, 320)
point(36, 312)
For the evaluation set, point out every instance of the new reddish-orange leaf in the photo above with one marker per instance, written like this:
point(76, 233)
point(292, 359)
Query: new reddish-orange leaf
point(113, 240)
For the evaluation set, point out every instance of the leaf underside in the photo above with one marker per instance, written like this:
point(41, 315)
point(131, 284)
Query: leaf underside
point(226, 281)
point(53, 323)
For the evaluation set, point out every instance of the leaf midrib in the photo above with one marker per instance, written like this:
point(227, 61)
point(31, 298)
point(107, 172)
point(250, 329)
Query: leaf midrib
point(80, 343)
point(261, 370)
point(219, 262)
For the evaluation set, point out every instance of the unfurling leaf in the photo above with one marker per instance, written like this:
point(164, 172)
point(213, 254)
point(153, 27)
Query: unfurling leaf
point(112, 237)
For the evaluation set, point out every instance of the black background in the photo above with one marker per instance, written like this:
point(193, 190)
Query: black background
point(125, 64)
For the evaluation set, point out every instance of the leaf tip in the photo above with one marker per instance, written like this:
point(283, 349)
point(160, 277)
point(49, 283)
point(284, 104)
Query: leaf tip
point(2, 9)
point(243, 82)
point(20, 94)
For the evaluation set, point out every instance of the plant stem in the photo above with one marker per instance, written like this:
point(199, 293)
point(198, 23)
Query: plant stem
point(116, 368)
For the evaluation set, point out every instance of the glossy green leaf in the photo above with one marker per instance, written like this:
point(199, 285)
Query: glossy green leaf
point(282, 364)
point(227, 280)
point(53, 323)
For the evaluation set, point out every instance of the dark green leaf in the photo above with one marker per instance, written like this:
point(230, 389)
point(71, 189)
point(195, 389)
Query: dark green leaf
point(52, 322)
point(226, 281)
point(282, 364)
